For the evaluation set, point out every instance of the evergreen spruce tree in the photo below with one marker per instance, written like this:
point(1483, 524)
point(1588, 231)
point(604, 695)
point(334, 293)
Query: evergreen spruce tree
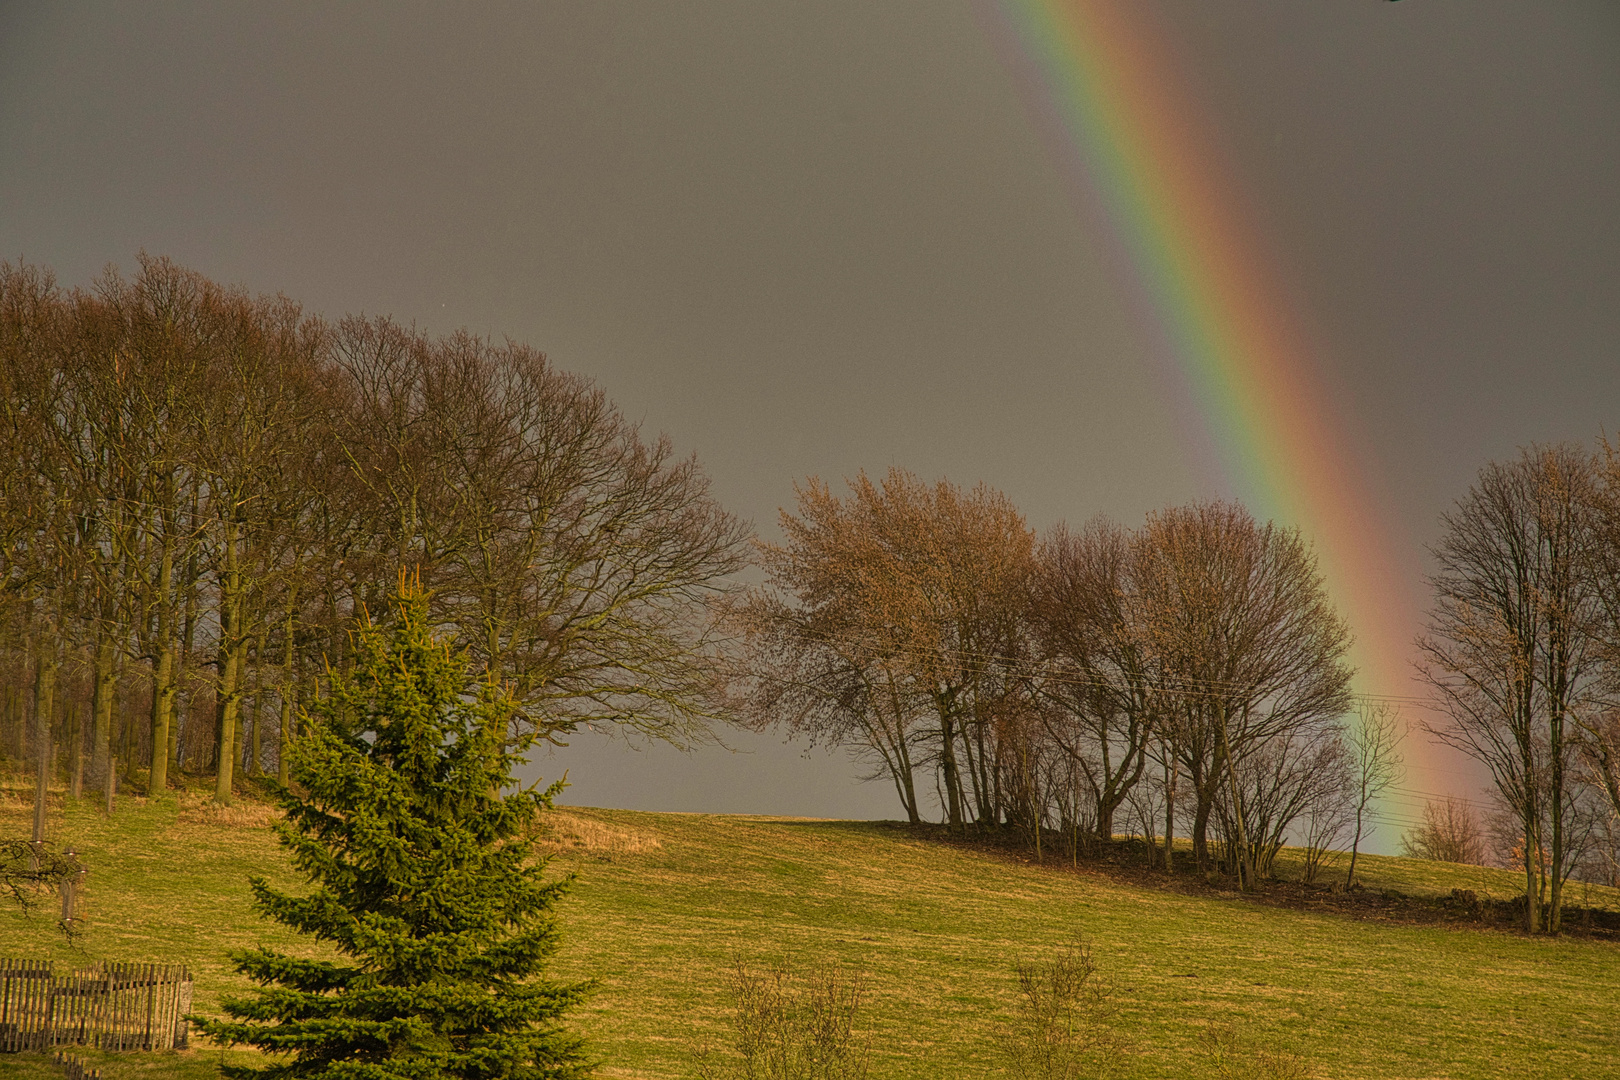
point(400, 813)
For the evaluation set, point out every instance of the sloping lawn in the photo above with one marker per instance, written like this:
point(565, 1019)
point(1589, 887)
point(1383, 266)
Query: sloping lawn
point(665, 902)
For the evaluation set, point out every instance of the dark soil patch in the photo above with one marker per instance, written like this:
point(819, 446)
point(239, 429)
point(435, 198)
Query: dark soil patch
point(1125, 860)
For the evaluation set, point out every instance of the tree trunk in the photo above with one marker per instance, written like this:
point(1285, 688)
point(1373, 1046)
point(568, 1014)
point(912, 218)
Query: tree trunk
point(163, 680)
point(986, 779)
point(968, 766)
point(103, 687)
point(947, 763)
point(1532, 891)
point(907, 781)
point(1170, 775)
point(74, 739)
point(286, 734)
point(254, 765)
point(231, 643)
point(1243, 862)
point(1200, 827)
point(162, 721)
point(1355, 845)
point(188, 632)
point(44, 713)
point(289, 688)
point(1555, 870)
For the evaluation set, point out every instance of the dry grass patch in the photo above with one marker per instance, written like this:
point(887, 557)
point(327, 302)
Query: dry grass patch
point(572, 832)
point(197, 808)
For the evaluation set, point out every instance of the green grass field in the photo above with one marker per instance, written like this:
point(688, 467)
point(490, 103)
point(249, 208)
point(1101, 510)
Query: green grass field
point(665, 902)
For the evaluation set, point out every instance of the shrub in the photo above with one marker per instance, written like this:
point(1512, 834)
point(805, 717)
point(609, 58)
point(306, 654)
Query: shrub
point(1237, 1057)
point(792, 1027)
point(1450, 833)
point(1061, 1030)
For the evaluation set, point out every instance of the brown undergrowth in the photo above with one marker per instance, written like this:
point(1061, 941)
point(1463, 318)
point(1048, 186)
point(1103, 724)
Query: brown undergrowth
point(1126, 861)
point(565, 833)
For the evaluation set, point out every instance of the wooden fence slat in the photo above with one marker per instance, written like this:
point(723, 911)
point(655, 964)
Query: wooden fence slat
point(120, 1005)
point(163, 1033)
point(36, 1007)
point(35, 1010)
point(42, 1004)
point(126, 983)
point(171, 998)
point(25, 1014)
point(105, 1009)
point(53, 1014)
point(150, 977)
point(46, 1019)
point(96, 986)
point(105, 1025)
point(19, 1005)
point(182, 1027)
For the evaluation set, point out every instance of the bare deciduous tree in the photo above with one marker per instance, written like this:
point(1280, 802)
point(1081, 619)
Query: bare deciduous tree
point(1508, 653)
point(1246, 649)
point(897, 602)
point(567, 554)
point(1374, 741)
point(1450, 832)
point(1299, 776)
point(1091, 660)
point(1599, 722)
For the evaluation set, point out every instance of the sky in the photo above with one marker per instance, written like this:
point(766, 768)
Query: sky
point(806, 240)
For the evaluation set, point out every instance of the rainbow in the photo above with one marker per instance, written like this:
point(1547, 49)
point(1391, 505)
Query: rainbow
point(1103, 86)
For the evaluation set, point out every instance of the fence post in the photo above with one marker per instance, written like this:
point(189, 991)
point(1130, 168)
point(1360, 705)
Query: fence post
point(5, 1005)
point(69, 881)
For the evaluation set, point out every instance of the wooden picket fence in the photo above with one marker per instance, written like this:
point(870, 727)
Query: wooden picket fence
point(109, 1006)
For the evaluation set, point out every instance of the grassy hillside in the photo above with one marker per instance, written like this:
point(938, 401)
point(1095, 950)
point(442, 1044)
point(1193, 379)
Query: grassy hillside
point(664, 902)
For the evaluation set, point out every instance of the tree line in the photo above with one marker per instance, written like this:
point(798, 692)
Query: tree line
point(1189, 674)
point(1189, 677)
point(201, 491)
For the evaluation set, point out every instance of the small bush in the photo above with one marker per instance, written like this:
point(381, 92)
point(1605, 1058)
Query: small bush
point(1061, 1030)
point(792, 1027)
point(1450, 833)
point(1238, 1058)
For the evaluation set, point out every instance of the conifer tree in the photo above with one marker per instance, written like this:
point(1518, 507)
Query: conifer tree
point(401, 815)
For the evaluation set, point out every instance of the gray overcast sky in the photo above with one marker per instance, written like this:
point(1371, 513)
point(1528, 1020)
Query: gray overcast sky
point(815, 238)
